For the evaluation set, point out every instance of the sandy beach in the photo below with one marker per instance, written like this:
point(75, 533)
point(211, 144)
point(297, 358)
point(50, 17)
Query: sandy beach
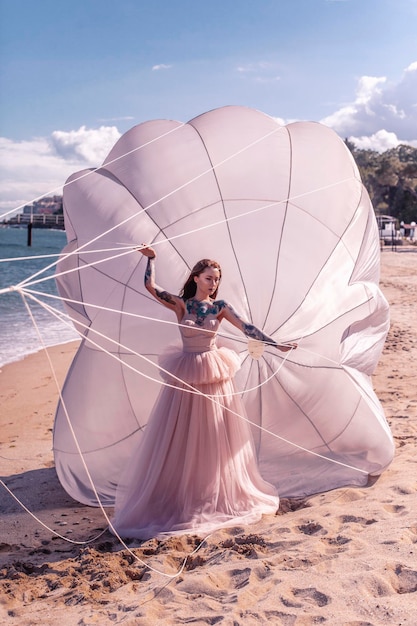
point(347, 557)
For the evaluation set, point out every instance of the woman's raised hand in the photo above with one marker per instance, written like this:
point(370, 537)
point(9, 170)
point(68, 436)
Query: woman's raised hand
point(147, 251)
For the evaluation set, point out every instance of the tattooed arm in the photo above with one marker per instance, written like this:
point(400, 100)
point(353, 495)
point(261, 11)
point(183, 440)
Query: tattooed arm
point(250, 330)
point(175, 303)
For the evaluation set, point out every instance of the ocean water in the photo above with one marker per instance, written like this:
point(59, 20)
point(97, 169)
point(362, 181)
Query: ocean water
point(18, 336)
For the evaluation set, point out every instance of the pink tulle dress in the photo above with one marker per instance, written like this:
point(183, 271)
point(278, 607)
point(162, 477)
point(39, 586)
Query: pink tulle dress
point(195, 469)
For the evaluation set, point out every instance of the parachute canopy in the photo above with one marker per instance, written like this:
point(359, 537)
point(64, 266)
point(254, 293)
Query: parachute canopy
point(283, 210)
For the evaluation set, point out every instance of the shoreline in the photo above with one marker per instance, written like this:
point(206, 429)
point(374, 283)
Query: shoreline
point(344, 557)
point(40, 349)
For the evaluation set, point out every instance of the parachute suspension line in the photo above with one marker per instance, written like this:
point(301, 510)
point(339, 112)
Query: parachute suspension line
point(102, 509)
point(95, 169)
point(68, 321)
point(192, 389)
point(59, 254)
point(29, 281)
point(184, 185)
point(129, 249)
point(168, 195)
point(157, 320)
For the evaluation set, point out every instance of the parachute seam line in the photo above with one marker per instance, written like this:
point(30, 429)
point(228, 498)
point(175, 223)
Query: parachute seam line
point(308, 292)
point(320, 221)
point(104, 447)
point(278, 256)
point(325, 262)
point(362, 240)
point(102, 509)
point(365, 393)
point(144, 209)
point(348, 423)
point(332, 321)
point(301, 410)
point(78, 262)
point(227, 226)
point(196, 391)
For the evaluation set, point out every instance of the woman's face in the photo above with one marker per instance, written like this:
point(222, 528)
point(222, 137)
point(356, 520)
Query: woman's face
point(207, 282)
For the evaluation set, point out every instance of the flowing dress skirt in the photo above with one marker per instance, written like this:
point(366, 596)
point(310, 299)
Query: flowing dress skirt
point(195, 469)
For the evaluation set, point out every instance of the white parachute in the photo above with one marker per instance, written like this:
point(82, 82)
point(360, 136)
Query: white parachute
point(284, 212)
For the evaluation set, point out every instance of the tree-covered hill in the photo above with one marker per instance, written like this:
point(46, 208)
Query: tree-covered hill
point(391, 180)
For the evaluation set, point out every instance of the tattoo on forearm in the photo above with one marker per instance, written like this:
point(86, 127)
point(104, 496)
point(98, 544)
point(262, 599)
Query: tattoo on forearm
point(254, 333)
point(165, 296)
point(250, 330)
point(149, 272)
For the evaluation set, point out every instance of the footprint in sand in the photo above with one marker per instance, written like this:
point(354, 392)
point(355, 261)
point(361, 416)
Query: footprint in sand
point(240, 577)
point(404, 579)
point(312, 595)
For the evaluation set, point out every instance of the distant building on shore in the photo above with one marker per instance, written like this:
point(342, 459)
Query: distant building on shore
point(44, 213)
point(49, 205)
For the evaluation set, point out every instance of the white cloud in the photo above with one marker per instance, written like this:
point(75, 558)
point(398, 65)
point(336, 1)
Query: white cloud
point(412, 67)
point(382, 114)
point(31, 169)
point(161, 66)
point(380, 141)
point(88, 145)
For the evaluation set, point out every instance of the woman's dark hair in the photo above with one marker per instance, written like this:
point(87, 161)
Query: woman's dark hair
point(190, 287)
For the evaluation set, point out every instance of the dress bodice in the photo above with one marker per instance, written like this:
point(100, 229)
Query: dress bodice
point(198, 337)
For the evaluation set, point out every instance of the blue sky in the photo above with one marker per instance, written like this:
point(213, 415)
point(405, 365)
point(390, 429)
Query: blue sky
point(75, 75)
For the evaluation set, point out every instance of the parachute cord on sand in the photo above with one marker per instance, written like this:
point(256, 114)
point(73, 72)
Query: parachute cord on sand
point(45, 525)
point(192, 389)
point(102, 509)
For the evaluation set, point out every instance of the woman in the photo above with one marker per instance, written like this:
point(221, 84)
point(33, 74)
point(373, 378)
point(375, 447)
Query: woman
point(195, 469)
